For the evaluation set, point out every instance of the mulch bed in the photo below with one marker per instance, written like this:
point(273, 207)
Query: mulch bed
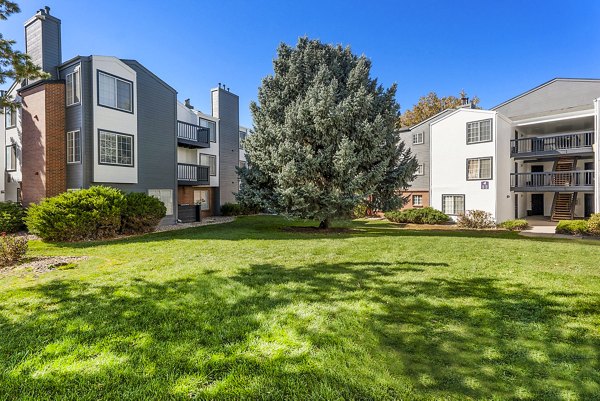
point(43, 264)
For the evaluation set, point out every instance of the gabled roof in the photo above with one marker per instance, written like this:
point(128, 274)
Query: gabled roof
point(544, 85)
point(434, 117)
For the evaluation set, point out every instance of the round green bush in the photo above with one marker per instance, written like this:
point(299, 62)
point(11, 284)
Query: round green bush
point(11, 217)
point(425, 215)
point(572, 227)
point(514, 225)
point(86, 214)
point(594, 224)
point(141, 213)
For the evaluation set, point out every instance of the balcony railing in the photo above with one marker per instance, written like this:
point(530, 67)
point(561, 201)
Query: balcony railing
point(567, 181)
point(191, 135)
point(192, 174)
point(580, 142)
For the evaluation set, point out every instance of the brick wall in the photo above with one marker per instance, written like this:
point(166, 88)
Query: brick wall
point(43, 160)
point(409, 194)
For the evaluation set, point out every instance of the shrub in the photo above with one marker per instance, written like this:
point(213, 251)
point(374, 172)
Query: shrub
point(514, 225)
point(12, 249)
point(425, 215)
point(594, 224)
point(141, 213)
point(573, 227)
point(476, 219)
point(231, 209)
point(359, 211)
point(11, 217)
point(93, 213)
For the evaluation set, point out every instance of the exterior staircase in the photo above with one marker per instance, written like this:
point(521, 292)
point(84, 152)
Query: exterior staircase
point(563, 206)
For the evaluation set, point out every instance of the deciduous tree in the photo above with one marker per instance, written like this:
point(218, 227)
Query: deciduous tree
point(430, 105)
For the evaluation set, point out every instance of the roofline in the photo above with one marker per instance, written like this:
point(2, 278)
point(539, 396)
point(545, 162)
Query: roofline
point(137, 63)
point(430, 118)
point(464, 109)
point(541, 86)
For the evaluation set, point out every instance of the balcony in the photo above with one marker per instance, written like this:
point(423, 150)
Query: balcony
point(192, 136)
point(192, 174)
point(554, 145)
point(563, 181)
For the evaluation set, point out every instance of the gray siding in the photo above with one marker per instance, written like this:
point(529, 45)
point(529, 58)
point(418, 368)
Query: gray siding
point(225, 106)
point(87, 124)
point(560, 95)
point(73, 122)
point(157, 139)
point(422, 151)
point(43, 43)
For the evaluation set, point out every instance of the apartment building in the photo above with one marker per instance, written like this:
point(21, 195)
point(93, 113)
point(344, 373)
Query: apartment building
point(533, 155)
point(102, 120)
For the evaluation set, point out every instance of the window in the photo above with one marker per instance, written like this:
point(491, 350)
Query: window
point(243, 135)
point(453, 204)
point(73, 87)
point(115, 148)
point(10, 118)
point(210, 161)
point(418, 138)
point(479, 169)
point(417, 200)
point(201, 197)
point(479, 131)
point(420, 169)
point(73, 147)
point(114, 92)
point(242, 163)
point(165, 196)
point(11, 157)
point(212, 126)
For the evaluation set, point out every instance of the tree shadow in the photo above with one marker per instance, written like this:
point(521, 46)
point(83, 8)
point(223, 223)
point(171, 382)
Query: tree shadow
point(325, 330)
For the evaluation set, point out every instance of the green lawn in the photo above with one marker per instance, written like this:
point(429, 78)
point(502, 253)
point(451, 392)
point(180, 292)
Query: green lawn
point(246, 310)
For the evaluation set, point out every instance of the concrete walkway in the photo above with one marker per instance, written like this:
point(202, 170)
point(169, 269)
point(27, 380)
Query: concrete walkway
point(540, 225)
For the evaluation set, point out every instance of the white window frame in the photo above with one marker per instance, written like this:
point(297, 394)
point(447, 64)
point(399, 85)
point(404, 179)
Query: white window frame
point(454, 211)
point(416, 136)
point(478, 169)
point(11, 157)
point(212, 163)
point(116, 91)
point(204, 205)
point(474, 132)
point(242, 138)
point(420, 169)
point(73, 87)
point(74, 147)
point(117, 135)
point(165, 196)
point(420, 202)
point(10, 118)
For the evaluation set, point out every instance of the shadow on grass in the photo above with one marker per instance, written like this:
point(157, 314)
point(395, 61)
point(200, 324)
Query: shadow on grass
point(344, 330)
point(271, 228)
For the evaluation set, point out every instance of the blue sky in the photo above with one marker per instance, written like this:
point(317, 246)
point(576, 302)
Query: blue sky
point(492, 49)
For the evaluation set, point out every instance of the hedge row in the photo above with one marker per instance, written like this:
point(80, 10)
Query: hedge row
point(580, 227)
point(425, 215)
point(95, 213)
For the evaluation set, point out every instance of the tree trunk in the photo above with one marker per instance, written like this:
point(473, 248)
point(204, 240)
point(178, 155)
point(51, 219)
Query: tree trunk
point(324, 224)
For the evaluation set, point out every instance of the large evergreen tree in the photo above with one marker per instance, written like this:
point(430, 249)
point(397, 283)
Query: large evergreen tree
point(324, 136)
point(14, 65)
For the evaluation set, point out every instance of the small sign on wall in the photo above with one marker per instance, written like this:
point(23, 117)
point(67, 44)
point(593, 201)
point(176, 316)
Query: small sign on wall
point(485, 185)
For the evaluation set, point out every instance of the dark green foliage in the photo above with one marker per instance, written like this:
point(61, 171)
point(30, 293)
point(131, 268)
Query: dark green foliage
point(231, 209)
point(477, 219)
point(514, 225)
point(594, 224)
point(141, 213)
point(573, 227)
point(425, 215)
point(11, 217)
point(12, 249)
point(86, 214)
point(324, 136)
point(360, 211)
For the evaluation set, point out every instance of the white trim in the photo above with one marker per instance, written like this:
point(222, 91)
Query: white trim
point(76, 155)
point(561, 117)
